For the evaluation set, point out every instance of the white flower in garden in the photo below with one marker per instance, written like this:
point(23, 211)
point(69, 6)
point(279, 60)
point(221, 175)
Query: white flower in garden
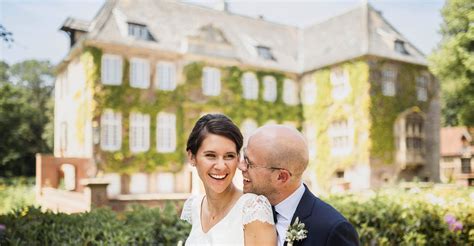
point(471, 195)
point(415, 190)
point(433, 199)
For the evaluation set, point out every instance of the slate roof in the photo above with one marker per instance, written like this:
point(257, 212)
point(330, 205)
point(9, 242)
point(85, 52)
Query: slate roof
point(358, 32)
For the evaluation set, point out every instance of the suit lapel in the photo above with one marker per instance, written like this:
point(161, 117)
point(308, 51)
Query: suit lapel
point(304, 209)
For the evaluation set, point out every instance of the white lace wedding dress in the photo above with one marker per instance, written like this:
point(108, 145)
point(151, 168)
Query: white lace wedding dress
point(230, 230)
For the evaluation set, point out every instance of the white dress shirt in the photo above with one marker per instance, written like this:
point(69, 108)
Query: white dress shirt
point(286, 209)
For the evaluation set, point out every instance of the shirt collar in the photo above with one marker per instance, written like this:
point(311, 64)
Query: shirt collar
point(287, 207)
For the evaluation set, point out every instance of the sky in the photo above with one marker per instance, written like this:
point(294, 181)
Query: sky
point(35, 23)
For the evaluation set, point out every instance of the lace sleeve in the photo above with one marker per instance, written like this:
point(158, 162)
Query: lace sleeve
point(257, 208)
point(187, 213)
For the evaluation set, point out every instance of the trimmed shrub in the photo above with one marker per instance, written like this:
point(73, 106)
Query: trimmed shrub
point(137, 226)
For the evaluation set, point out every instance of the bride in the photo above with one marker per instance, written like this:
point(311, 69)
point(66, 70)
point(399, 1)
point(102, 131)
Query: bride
point(224, 215)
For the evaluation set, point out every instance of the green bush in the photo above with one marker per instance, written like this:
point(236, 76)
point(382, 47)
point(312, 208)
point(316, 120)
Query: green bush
point(137, 226)
point(389, 217)
point(16, 192)
point(397, 217)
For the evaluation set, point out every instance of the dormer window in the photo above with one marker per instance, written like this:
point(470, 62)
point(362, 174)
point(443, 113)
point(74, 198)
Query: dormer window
point(265, 53)
point(139, 31)
point(399, 47)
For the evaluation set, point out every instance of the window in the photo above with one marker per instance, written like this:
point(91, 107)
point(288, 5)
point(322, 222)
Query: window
point(248, 127)
point(139, 73)
point(139, 31)
point(139, 132)
point(414, 132)
point(309, 131)
point(211, 81)
point(465, 165)
point(265, 53)
point(269, 89)
point(341, 135)
point(166, 132)
point(111, 130)
point(250, 86)
point(138, 183)
point(290, 92)
point(165, 76)
point(111, 69)
point(308, 93)
point(389, 77)
point(422, 87)
point(399, 47)
point(340, 83)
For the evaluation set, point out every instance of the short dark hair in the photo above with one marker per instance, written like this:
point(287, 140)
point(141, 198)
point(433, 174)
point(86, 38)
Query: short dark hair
point(218, 124)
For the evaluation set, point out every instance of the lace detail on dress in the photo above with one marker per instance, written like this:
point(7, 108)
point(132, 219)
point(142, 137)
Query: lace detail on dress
point(257, 208)
point(187, 213)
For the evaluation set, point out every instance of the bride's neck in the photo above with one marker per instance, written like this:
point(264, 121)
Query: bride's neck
point(217, 202)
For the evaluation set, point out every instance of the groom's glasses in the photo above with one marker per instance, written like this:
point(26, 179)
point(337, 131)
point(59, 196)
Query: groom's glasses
point(249, 164)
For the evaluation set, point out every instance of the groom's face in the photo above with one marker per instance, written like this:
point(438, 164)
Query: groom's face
point(257, 178)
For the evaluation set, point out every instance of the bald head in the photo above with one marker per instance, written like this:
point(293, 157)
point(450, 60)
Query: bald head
point(281, 146)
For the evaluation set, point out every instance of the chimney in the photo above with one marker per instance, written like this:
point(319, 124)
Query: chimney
point(222, 5)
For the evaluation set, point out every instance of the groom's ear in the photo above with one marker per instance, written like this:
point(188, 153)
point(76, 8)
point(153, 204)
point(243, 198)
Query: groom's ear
point(284, 176)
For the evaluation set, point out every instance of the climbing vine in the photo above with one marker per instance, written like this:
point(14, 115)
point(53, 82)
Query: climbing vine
point(187, 101)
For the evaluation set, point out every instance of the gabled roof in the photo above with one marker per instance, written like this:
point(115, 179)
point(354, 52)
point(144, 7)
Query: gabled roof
point(451, 140)
point(359, 32)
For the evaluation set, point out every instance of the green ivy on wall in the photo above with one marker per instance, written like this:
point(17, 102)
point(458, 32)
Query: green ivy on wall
point(187, 101)
point(354, 107)
point(373, 116)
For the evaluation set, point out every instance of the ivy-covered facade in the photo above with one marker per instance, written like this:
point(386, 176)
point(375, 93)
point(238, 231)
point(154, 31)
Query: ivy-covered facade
point(368, 117)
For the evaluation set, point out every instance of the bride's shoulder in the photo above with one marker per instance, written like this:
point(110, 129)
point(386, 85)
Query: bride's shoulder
point(250, 199)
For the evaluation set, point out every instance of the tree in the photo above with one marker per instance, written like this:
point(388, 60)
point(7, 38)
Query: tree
point(5, 35)
point(453, 63)
point(25, 99)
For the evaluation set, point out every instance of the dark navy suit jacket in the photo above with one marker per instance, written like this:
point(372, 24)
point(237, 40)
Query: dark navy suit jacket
point(325, 225)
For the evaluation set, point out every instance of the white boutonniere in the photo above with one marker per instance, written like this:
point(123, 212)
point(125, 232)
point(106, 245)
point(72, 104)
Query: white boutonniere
point(295, 232)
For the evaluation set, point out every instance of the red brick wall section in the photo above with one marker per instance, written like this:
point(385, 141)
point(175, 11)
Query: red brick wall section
point(48, 170)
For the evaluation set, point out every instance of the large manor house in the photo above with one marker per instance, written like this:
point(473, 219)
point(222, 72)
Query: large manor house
point(140, 73)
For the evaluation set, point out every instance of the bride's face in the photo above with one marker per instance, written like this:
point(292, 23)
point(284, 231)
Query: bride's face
point(216, 161)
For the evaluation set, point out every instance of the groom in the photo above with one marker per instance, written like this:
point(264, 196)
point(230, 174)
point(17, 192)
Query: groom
point(274, 161)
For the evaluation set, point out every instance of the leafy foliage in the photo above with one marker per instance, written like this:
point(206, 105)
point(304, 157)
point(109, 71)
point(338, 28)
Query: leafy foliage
point(16, 192)
point(397, 217)
point(453, 63)
point(137, 226)
point(25, 109)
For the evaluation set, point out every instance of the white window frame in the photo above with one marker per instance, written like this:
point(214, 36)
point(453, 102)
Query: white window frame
point(165, 78)
point(422, 81)
point(165, 132)
point(248, 126)
point(389, 78)
point(111, 69)
point(309, 131)
point(249, 86)
point(340, 83)
point(211, 81)
point(110, 130)
point(139, 132)
point(269, 88)
point(139, 73)
point(290, 92)
point(341, 135)
point(308, 93)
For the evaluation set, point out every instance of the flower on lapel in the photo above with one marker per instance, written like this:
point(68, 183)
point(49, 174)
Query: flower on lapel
point(295, 232)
